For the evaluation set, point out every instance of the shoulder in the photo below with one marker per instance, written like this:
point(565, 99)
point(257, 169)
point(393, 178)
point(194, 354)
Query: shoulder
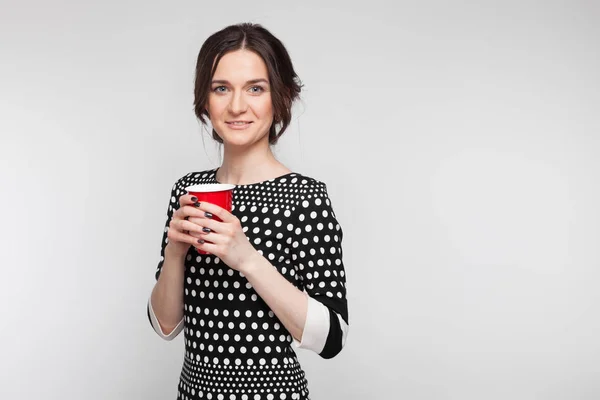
point(309, 191)
point(312, 209)
point(301, 181)
point(306, 186)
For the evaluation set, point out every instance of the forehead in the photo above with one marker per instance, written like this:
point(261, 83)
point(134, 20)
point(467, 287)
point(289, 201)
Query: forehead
point(240, 66)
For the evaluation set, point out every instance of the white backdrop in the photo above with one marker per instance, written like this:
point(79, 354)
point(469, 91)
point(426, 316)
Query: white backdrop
point(460, 143)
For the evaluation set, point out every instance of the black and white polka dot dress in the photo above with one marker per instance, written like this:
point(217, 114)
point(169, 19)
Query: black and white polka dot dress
point(235, 347)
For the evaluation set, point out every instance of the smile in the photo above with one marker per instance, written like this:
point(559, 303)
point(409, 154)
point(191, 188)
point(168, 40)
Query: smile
point(239, 124)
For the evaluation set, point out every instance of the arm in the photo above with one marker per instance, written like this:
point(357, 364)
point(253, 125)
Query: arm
point(320, 264)
point(165, 307)
point(310, 322)
point(285, 300)
point(318, 317)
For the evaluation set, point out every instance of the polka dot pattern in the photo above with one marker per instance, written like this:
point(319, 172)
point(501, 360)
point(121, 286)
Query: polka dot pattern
point(266, 379)
point(235, 346)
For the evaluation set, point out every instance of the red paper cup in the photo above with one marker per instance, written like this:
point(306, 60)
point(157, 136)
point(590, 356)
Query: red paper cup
point(219, 194)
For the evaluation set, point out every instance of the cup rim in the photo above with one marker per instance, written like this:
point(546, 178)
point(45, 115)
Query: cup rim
point(210, 187)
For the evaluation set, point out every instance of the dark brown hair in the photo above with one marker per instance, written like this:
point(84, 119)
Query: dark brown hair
point(285, 84)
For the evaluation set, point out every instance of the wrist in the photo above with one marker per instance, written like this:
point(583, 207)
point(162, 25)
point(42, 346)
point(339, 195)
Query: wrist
point(174, 254)
point(251, 263)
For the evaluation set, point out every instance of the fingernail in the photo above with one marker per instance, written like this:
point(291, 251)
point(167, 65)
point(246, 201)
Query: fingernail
point(201, 241)
point(196, 204)
point(195, 199)
point(208, 215)
point(207, 230)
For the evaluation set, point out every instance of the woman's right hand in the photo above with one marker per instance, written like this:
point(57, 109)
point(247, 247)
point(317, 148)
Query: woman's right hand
point(181, 229)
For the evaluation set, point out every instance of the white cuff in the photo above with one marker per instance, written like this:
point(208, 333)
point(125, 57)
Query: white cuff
point(345, 328)
point(157, 327)
point(316, 327)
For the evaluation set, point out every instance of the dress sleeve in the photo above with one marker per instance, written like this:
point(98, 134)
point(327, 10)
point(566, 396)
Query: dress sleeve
point(319, 260)
point(173, 206)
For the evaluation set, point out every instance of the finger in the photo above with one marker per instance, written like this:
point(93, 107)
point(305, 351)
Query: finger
point(217, 211)
point(208, 247)
point(186, 212)
point(209, 234)
point(187, 199)
point(186, 226)
point(209, 223)
point(210, 237)
point(176, 236)
point(212, 225)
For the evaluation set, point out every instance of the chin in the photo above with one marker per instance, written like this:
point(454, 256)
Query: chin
point(237, 143)
point(241, 138)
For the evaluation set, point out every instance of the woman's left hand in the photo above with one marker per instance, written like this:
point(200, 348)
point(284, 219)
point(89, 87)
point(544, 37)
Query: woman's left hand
point(225, 239)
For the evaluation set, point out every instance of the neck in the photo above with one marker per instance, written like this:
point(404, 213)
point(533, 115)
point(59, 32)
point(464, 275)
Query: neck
point(242, 166)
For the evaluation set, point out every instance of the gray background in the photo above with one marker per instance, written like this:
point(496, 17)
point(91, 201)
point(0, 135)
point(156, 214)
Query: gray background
point(459, 141)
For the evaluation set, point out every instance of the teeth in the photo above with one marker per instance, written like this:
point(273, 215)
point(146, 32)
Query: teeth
point(238, 123)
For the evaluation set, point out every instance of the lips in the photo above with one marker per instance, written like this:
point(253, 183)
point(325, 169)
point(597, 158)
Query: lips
point(238, 125)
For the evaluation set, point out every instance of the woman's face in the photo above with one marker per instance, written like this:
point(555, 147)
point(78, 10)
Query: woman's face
point(239, 103)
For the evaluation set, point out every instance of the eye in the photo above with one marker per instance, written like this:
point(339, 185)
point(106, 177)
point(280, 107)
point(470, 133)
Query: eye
point(257, 89)
point(219, 89)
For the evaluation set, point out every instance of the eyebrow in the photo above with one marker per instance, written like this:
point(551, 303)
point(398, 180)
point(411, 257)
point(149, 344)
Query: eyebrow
point(250, 82)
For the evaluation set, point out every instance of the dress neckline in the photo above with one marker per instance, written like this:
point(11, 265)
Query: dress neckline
point(277, 178)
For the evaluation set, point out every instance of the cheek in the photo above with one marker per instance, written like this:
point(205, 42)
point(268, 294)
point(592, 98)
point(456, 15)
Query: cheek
point(265, 108)
point(215, 106)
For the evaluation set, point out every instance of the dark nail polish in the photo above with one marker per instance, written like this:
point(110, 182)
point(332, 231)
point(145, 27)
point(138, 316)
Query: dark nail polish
point(207, 230)
point(208, 215)
point(195, 199)
point(201, 241)
point(196, 204)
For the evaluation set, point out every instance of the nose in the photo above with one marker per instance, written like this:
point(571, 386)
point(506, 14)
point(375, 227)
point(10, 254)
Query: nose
point(237, 105)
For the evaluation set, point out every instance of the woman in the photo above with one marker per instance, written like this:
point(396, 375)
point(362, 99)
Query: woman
point(274, 277)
